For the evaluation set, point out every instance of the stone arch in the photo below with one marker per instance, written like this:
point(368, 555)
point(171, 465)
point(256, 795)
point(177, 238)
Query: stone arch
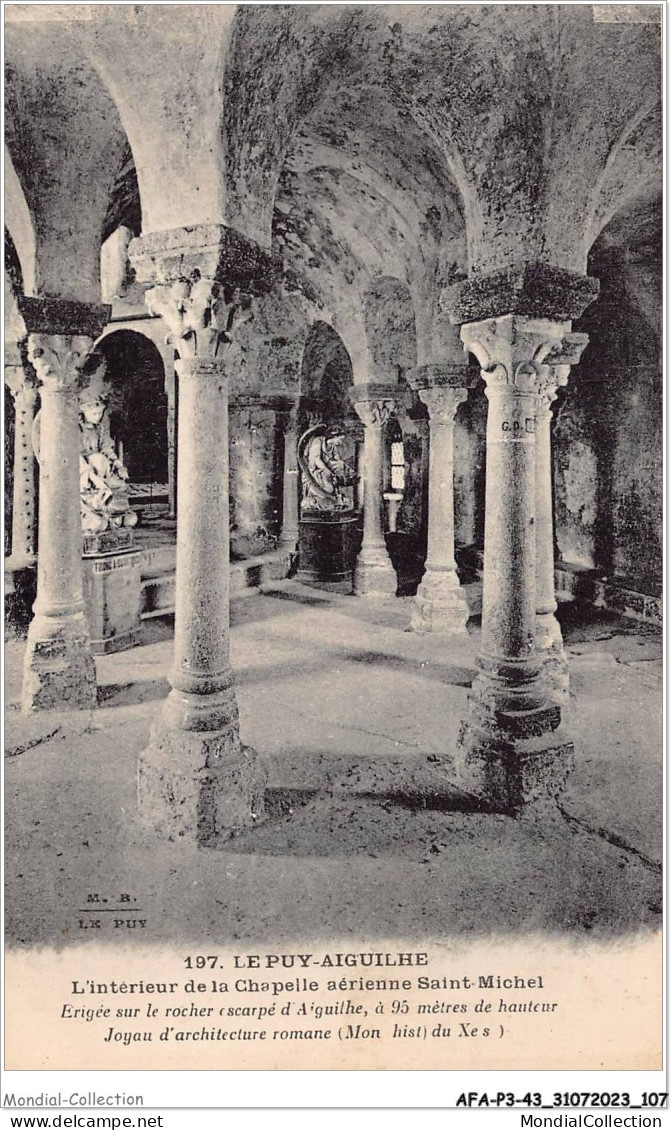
point(608, 440)
point(329, 447)
point(326, 369)
point(138, 406)
point(65, 137)
point(326, 383)
point(19, 233)
point(632, 174)
point(124, 203)
point(13, 268)
point(123, 222)
point(14, 326)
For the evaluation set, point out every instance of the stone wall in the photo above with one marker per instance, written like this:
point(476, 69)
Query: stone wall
point(470, 430)
point(608, 438)
point(255, 447)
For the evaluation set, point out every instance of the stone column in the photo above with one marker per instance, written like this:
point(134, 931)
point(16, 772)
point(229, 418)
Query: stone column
point(359, 468)
point(171, 393)
point(59, 671)
point(548, 632)
point(412, 515)
point(196, 779)
point(440, 604)
point(290, 480)
point(374, 574)
point(24, 392)
point(512, 748)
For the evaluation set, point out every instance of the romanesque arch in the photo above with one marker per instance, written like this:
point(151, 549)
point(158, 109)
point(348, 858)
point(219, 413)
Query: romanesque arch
point(138, 409)
point(608, 435)
point(416, 199)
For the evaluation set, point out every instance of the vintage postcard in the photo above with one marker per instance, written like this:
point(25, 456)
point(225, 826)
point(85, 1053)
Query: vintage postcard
point(333, 540)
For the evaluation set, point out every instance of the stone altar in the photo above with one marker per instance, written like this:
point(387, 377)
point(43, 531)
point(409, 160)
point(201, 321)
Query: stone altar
point(111, 570)
point(327, 529)
point(112, 592)
point(103, 478)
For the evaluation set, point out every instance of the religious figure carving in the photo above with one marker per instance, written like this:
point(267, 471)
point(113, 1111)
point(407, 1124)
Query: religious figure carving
point(326, 474)
point(103, 478)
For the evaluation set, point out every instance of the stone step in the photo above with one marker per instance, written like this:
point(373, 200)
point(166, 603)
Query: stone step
point(614, 594)
point(158, 577)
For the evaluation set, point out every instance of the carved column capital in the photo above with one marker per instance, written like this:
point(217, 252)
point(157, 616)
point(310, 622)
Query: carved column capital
point(442, 402)
point(201, 315)
point(557, 366)
point(201, 281)
point(21, 383)
point(559, 362)
point(375, 413)
point(58, 359)
point(375, 404)
point(312, 417)
point(514, 352)
point(442, 387)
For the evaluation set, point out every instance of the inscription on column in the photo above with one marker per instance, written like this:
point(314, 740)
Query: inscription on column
point(516, 428)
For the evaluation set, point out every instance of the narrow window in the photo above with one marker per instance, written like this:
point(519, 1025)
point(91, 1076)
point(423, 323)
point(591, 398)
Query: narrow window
point(397, 467)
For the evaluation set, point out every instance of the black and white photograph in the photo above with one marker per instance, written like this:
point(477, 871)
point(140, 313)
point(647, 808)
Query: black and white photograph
point(333, 536)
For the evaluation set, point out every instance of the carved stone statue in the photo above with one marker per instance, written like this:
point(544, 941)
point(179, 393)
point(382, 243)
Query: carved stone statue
point(103, 479)
point(326, 474)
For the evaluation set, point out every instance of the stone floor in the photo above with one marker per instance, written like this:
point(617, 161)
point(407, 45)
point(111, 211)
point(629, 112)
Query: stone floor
point(355, 717)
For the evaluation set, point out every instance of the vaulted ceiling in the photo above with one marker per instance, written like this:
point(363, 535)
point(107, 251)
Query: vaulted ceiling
point(416, 143)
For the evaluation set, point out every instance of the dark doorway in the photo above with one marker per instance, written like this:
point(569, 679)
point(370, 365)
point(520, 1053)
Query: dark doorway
point(138, 404)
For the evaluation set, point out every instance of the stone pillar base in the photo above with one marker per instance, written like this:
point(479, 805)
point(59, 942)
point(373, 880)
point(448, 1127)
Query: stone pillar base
point(509, 773)
point(289, 545)
point(201, 787)
point(58, 674)
point(374, 574)
point(556, 674)
point(550, 650)
point(440, 604)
